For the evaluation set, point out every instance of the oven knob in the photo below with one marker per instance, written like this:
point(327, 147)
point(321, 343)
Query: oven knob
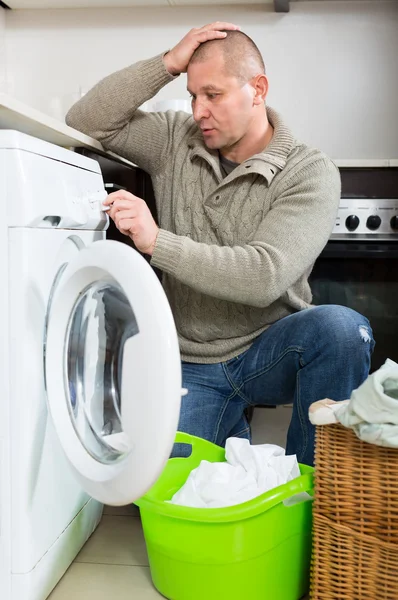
point(373, 222)
point(394, 222)
point(352, 222)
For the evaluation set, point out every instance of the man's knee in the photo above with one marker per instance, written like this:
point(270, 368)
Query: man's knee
point(342, 326)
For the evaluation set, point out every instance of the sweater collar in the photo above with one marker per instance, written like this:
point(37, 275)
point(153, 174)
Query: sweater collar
point(274, 155)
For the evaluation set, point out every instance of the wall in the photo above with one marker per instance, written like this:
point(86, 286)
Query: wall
point(331, 65)
point(2, 50)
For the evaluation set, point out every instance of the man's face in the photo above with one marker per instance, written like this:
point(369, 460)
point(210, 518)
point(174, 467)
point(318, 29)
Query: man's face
point(221, 106)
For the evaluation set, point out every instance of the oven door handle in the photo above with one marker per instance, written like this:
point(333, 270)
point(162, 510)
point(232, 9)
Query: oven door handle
point(360, 250)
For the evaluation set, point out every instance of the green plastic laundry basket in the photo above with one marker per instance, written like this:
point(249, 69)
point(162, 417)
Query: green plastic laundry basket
point(258, 550)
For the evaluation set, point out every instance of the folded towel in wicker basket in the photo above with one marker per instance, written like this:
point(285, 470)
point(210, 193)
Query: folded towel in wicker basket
point(372, 410)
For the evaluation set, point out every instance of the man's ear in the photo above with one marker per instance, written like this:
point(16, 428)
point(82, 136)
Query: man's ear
point(260, 86)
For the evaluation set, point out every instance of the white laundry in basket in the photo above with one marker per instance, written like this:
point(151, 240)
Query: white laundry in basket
point(248, 472)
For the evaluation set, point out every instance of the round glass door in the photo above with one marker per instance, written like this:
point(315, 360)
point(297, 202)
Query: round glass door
point(113, 371)
point(101, 322)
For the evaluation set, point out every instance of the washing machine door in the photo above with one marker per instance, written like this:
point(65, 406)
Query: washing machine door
point(113, 371)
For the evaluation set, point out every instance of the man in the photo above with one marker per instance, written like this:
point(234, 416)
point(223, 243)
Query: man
point(244, 211)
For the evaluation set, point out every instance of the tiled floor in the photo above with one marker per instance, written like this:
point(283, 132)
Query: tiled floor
point(113, 564)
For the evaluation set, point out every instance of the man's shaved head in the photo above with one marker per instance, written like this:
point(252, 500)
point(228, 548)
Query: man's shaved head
point(242, 58)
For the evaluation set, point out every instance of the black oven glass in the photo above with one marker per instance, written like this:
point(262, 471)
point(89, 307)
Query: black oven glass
point(363, 277)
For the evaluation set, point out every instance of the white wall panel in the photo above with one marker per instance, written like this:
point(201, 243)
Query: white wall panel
point(331, 65)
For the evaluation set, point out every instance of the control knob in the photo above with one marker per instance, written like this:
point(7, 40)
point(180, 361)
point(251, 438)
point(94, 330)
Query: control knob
point(352, 222)
point(373, 222)
point(394, 222)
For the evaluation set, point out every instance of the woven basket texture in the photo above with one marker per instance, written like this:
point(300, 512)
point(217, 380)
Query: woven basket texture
point(355, 518)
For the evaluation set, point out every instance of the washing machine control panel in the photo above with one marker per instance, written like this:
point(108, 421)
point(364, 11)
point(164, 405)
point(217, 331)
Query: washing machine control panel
point(52, 188)
point(86, 200)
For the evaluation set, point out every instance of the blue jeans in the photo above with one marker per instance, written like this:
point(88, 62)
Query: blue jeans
point(319, 352)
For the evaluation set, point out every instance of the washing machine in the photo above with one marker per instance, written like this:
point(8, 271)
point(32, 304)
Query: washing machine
point(89, 365)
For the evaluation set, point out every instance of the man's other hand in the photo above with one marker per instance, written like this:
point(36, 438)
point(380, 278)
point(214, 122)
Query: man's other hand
point(132, 217)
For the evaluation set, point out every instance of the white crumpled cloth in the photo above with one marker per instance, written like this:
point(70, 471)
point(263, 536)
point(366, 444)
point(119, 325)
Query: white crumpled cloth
point(372, 410)
point(248, 472)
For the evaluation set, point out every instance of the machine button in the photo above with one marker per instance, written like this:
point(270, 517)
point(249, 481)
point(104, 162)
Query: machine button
point(373, 222)
point(394, 222)
point(352, 222)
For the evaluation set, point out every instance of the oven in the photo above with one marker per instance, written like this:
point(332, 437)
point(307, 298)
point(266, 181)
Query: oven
point(358, 267)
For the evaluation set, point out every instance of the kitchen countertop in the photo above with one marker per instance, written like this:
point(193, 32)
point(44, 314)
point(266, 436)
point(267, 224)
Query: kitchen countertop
point(17, 115)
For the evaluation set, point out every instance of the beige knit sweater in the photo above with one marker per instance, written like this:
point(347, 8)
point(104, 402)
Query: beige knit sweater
point(236, 252)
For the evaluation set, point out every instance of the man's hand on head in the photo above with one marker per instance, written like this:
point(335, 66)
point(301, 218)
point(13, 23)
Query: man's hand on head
point(177, 59)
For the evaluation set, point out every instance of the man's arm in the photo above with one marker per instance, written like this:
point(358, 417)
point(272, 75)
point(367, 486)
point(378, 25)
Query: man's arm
point(287, 243)
point(108, 113)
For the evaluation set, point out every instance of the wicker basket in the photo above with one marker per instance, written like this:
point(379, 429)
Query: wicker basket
point(355, 518)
